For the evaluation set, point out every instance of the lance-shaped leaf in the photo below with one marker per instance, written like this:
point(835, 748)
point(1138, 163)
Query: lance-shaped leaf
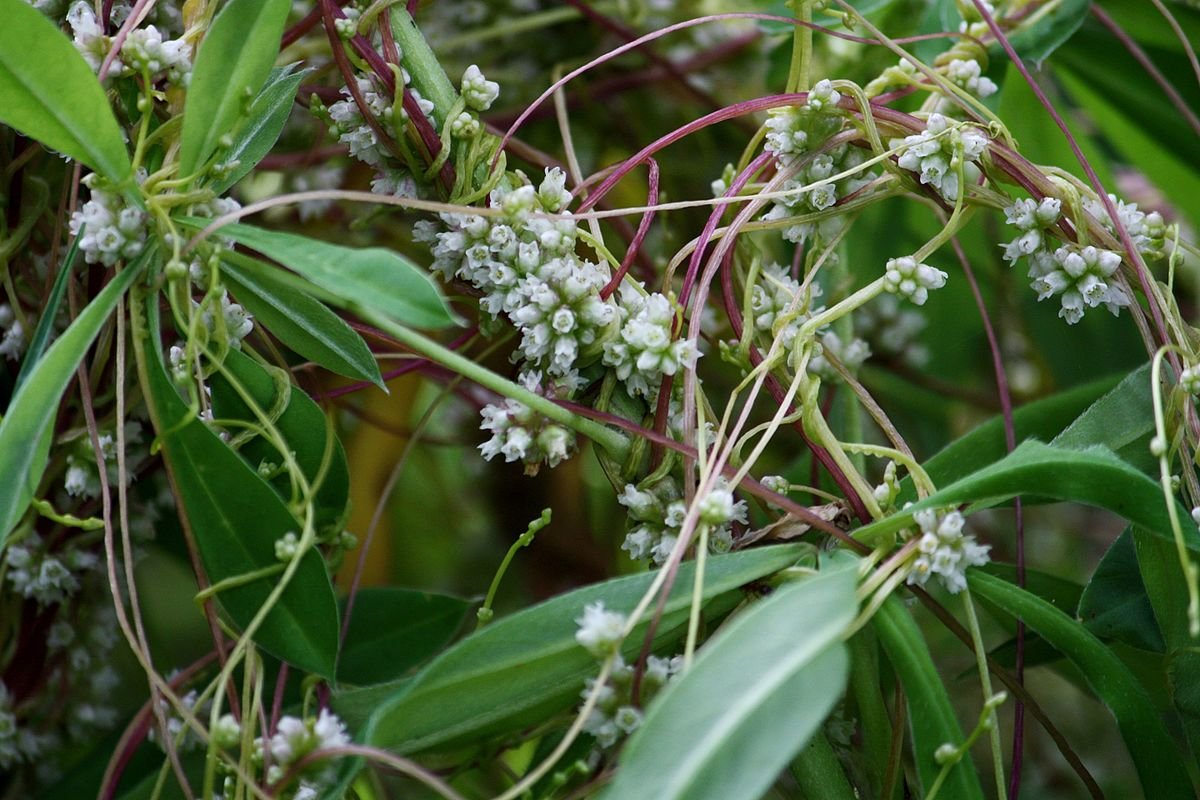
point(1093, 476)
point(49, 93)
point(931, 718)
point(26, 427)
point(233, 62)
point(298, 320)
point(264, 121)
point(750, 702)
point(527, 667)
point(236, 518)
point(393, 630)
point(1154, 754)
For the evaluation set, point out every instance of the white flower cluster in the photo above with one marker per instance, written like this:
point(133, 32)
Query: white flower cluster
point(936, 153)
point(477, 91)
point(851, 354)
point(12, 343)
point(968, 74)
point(1189, 379)
point(643, 350)
point(777, 305)
point(351, 129)
point(295, 738)
point(1147, 231)
point(887, 492)
point(892, 330)
point(793, 131)
point(112, 230)
point(146, 51)
point(614, 715)
point(1081, 278)
point(89, 38)
point(525, 265)
point(519, 433)
point(821, 194)
point(179, 732)
point(600, 630)
point(911, 280)
point(48, 579)
point(17, 744)
point(232, 323)
point(82, 479)
point(944, 550)
point(657, 515)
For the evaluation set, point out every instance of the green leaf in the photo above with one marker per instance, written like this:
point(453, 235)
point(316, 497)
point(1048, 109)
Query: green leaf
point(301, 322)
point(527, 667)
point(1095, 477)
point(750, 702)
point(264, 121)
point(25, 431)
point(371, 278)
point(393, 630)
point(236, 517)
point(1041, 419)
point(1036, 39)
point(233, 62)
point(1121, 417)
point(45, 327)
point(1154, 753)
point(1114, 604)
point(302, 425)
point(931, 716)
point(50, 93)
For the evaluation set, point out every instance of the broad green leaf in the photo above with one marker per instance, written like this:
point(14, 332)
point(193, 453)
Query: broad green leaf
point(302, 425)
point(370, 277)
point(235, 518)
point(49, 93)
point(1041, 419)
point(1094, 477)
point(45, 327)
point(1154, 753)
point(1042, 34)
point(527, 667)
point(25, 431)
point(750, 702)
point(301, 322)
point(393, 630)
point(233, 62)
point(1114, 604)
point(931, 717)
point(1158, 562)
point(1121, 417)
point(264, 121)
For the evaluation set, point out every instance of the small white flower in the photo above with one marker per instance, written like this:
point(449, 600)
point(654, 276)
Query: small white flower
point(906, 278)
point(944, 550)
point(600, 631)
point(287, 546)
point(477, 91)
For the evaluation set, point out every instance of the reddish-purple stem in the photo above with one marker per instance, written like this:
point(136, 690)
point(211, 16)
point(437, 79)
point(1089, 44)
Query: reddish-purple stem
point(643, 228)
point(1138, 53)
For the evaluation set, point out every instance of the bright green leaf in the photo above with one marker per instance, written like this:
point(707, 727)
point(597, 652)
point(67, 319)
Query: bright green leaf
point(49, 93)
point(1121, 417)
point(301, 322)
point(258, 133)
point(528, 666)
point(371, 278)
point(235, 518)
point(233, 62)
point(1094, 477)
point(1154, 754)
point(1042, 34)
point(45, 327)
point(393, 630)
point(931, 716)
point(752, 699)
point(25, 429)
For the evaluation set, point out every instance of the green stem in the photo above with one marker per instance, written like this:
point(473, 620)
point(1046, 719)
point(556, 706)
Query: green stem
point(423, 66)
point(613, 443)
point(484, 614)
